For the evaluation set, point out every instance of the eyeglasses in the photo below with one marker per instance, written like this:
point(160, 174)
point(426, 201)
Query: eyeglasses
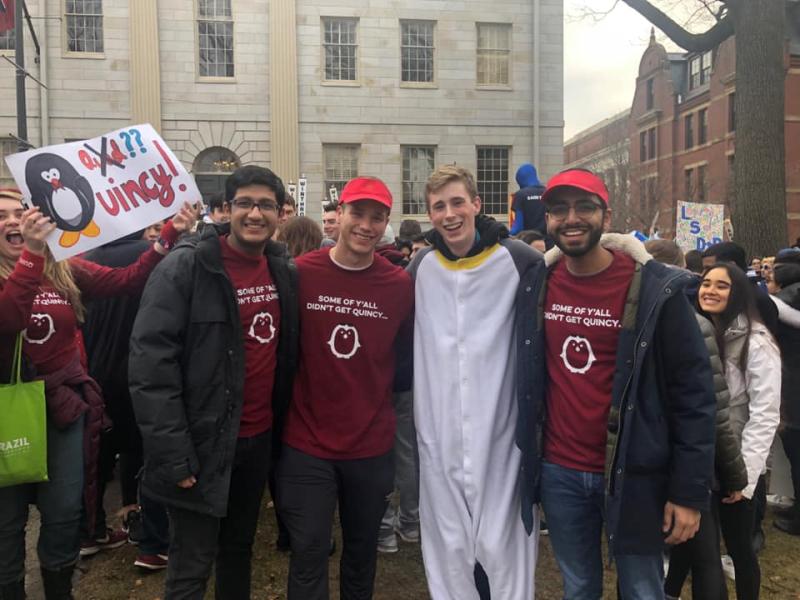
point(248, 204)
point(584, 209)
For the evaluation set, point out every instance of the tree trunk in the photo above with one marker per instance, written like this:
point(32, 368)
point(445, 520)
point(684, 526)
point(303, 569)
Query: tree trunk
point(758, 210)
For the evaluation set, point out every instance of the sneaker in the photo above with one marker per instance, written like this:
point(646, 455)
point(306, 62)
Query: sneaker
point(727, 567)
point(133, 526)
point(151, 562)
point(410, 535)
point(790, 526)
point(114, 538)
point(388, 544)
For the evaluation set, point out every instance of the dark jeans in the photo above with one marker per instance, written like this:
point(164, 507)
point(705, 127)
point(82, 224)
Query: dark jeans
point(155, 527)
point(59, 501)
point(737, 522)
point(198, 541)
point(700, 555)
point(791, 446)
point(308, 489)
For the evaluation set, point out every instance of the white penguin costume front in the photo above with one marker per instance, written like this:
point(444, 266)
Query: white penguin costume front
point(465, 412)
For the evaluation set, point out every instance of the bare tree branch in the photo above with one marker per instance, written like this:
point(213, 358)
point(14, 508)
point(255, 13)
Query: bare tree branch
point(693, 42)
point(586, 12)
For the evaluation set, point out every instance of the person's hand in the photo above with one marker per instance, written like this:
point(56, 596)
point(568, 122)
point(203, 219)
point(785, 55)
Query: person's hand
point(733, 497)
point(185, 218)
point(35, 227)
point(188, 482)
point(684, 523)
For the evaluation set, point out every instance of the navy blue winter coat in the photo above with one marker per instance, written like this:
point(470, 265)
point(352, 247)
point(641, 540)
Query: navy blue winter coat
point(662, 423)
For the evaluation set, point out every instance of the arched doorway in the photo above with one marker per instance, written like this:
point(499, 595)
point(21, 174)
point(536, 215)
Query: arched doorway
point(211, 168)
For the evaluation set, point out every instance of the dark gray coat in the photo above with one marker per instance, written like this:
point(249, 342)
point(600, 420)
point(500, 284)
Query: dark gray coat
point(187, 371)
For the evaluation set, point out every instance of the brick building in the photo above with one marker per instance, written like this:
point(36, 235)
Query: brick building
point(330, 91)
point(682, 134)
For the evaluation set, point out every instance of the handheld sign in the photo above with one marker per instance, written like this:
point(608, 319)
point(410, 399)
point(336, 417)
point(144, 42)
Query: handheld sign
point(302, 185)
point(99, 190)
point(699, 225)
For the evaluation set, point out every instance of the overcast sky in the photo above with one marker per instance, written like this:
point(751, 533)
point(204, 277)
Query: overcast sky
point(601, 61)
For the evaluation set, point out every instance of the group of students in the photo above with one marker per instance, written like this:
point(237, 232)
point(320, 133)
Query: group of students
point(615, 391)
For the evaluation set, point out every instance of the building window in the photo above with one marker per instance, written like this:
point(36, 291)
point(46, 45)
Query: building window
point(493, 179)
point(702, 126)
point(732, 112)
point(416, 51)
point(84, 25)
point(418, 164)
point(651, 144)
point(699, 70)
point(341, 164)
point(211, 168)
point(494, 53)
point(688, 176)
point(215, 38)
point(643, 146)
point(651, 97)
point(689, 131)
point(340, 43)
point(7, 40)
point(7, 146)
point(701, 183)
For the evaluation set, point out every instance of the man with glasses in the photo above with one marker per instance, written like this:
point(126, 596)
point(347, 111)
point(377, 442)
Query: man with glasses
point(212, 354)
point(624, 396)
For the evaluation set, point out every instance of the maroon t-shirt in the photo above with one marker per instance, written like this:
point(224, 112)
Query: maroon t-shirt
point(582, 320)
point(260, 315)
point(342, 402)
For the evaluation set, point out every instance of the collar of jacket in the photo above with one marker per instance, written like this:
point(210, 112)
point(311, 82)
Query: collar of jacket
point(210, 253)
point(619, 242)
point(487, 233)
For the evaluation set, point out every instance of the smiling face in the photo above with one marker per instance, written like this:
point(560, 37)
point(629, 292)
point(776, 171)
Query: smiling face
point(578, 231)
point(330, 225)
point(452, 213)
point(251, 229)
point(361, 226)
point(11, 242)
point(715, 290)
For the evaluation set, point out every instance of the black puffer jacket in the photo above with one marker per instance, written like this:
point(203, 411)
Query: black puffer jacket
point(187, 370)
point(789, 341)
point(729, 465)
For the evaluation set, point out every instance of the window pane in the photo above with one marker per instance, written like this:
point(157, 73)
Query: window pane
point(494, 53)
point(418, 164)
point(84, 25)
point(417, 51)
point(216, 48)
point(341, 165)
point(493, 179)
point(339, 40)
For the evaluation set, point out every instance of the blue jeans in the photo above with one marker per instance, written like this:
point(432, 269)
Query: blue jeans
point(59, 501)
point(574, 506)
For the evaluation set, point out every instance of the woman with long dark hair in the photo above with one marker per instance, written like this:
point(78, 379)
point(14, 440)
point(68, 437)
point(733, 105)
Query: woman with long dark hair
point(752, 363)
point(43, 300)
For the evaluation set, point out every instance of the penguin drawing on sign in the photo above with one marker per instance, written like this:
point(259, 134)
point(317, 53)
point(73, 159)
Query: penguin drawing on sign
point(63, 195)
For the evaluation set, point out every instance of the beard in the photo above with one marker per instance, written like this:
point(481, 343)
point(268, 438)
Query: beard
point(595, 233)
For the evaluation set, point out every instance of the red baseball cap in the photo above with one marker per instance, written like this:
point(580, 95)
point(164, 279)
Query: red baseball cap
point(366, 188)
point(577, 178)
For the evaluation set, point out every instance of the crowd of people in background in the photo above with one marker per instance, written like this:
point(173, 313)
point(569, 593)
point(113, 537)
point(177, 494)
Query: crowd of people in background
point(453, 388)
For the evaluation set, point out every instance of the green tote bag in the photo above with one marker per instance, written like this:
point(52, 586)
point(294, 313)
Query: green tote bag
point(23, 428)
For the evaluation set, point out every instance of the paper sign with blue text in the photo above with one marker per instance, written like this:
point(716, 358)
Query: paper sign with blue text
point(99, 190)
point(699, 225)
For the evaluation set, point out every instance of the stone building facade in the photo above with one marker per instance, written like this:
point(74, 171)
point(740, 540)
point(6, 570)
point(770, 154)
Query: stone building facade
point(371, 87)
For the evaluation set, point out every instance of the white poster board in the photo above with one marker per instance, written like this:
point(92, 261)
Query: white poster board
point(699, 225)
point(99, 190)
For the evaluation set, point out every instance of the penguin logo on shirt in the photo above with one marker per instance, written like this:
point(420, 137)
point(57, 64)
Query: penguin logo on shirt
point(40, 329)
point(262, 328)
point(577, 354)
point(63, 195)
point(344, 341)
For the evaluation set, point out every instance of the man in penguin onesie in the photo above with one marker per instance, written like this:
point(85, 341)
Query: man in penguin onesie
point(465, 398)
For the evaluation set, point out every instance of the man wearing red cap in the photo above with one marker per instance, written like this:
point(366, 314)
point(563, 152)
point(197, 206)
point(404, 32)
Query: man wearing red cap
point(623, 389)
point(339, 436)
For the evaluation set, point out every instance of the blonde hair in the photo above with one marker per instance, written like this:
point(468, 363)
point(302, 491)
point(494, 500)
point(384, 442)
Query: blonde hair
point(446, 174)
